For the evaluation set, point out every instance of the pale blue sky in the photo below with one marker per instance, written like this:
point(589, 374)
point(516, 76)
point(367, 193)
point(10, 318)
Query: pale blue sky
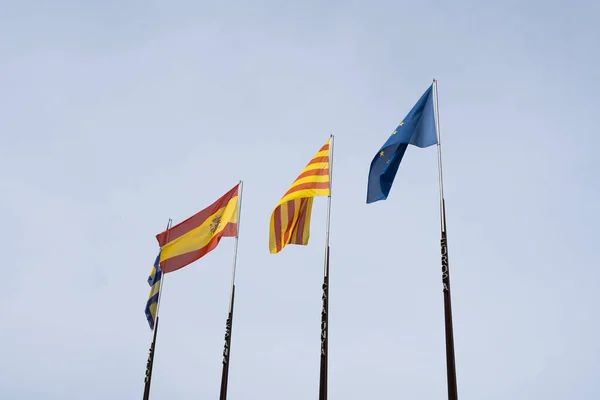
point(117, 115)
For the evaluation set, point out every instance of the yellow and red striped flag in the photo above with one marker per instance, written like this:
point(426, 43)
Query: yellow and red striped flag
point(290, 221)
point(193, 238)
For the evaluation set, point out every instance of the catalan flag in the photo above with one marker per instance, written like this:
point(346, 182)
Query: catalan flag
point(290, 221)
point(154, 282)
point(193, 238)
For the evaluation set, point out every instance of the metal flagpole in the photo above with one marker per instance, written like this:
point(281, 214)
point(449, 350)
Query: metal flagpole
point(325, 296)
point(228, 324)
point(150, 362)
point(450, 362)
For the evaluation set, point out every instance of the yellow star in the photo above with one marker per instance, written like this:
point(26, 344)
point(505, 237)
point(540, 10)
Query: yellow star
point(393, 133)
point(381, 153)
point(401, 123)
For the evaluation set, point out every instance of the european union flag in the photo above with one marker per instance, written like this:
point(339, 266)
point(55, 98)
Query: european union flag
point(418, 129)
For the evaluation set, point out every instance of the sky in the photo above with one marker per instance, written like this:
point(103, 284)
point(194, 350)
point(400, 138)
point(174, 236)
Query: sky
point(118, 115)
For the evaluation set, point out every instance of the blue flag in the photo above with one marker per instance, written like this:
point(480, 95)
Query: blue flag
point(418, 129)
point(154, 282)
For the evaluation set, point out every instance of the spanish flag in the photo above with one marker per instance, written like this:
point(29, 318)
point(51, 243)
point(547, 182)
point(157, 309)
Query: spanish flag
point(290, 221)
point(191, 239)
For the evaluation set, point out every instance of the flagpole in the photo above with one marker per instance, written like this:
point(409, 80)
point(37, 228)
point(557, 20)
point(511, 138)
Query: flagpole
point(450, 361)
point(229, 322)
point(325, 287)
point(150, 362)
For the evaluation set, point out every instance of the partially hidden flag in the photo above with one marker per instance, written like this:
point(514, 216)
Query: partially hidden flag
point(193, 238)
point(290, 221)
point(418, 129)
point(154, 282)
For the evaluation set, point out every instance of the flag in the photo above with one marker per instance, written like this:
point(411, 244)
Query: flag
point(418, 129)
point(193, 238)
point(290, 221)
point(154, 282)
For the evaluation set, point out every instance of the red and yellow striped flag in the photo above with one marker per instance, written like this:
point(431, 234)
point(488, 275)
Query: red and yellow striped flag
point(193, 238)
point(290, 221)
